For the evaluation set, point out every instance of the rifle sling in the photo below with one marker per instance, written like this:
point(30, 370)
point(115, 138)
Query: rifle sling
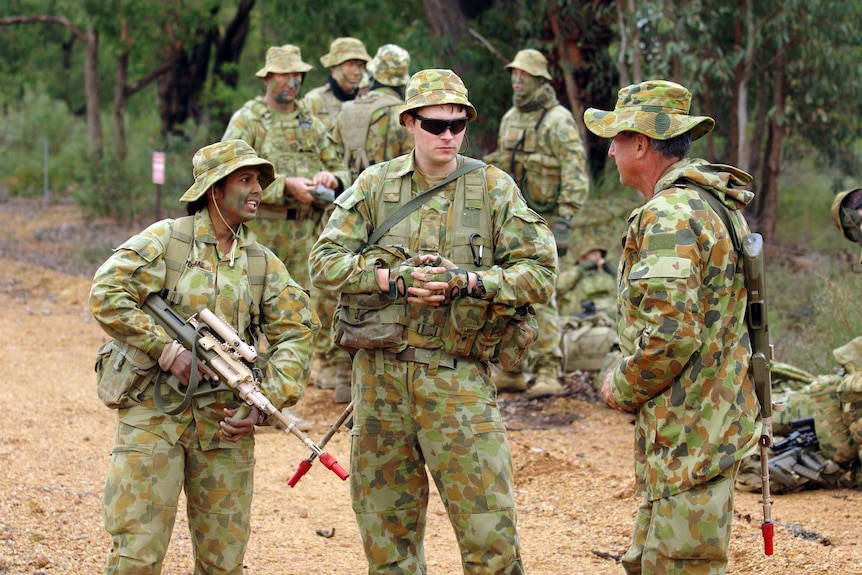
point(468, 165)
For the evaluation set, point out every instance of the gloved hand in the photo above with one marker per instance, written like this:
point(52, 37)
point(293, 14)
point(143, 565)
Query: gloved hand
point(457, 281)
point(401, 277)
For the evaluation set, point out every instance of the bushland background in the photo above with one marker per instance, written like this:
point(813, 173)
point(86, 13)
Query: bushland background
point(93, 88)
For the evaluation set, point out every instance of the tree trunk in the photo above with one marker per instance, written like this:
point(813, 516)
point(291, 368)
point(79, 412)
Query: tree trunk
point(90, 39)
point(447, 20)
point(569, 56)
point(769, 205)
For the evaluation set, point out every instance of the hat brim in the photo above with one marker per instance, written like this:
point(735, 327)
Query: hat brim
point(658, 126)
point(329, 60)
point(199, 188)
point(536, 73)
point(300, 68)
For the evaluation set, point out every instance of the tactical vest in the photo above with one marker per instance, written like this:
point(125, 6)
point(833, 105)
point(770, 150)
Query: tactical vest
point(355, 120)
point(330, 102)
point(177, 257)
point(291, 145)
point(467, 327)
point(537, 174)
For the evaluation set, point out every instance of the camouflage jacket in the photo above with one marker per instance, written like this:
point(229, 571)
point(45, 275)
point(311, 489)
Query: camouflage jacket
point(381, 137)
point(324, 104)
point(524, 262)
point(287, 319)
point(296, 143)
point(683, 335)
point(550, 165)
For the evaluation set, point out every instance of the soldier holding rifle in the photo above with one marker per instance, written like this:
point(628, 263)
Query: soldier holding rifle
point(681, 311)
point(198, 447)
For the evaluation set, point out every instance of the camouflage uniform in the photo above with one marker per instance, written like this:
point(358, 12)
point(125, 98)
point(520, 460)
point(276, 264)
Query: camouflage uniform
point(326, 101)
point(549, 165)
point(418, 405)
point(683, 336)
point(156, 456)
point(298, 144)
point(368, 130)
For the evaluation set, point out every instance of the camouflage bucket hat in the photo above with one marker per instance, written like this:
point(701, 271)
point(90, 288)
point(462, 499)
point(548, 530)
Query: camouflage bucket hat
point(390, 66)
point(844, 214)
point(285, 59)
point(216, 161)
point(850, 354)
point(532, 62)
point(434, 88)
point(343, 49)
point(655, 108)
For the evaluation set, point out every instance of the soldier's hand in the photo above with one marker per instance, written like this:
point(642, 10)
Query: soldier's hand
point(232, 429)
point(608, 394)
point(182, 368)
point(300, 189)
point(451, 283)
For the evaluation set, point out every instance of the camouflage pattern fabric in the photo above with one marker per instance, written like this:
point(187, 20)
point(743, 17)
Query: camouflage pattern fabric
point(436, 87)
point(343, 49)
point(141, 495)
point(452, 425)
point(681, 309)
point(656, 108)
point(298, 145)
point(384, 139)
point(390, 66)
point(532, 62)
point(137, 269)
point(285, 59)
point(521, 263)
point(324, 105)
point(687, 532)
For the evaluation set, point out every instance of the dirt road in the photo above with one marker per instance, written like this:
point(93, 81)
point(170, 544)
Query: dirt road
point(572, 458)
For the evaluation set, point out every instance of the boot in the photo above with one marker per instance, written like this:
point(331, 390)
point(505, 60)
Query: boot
point(510, 381)
point(326, 375)
point(301, 424)
point(343, 377)
point(547, 382)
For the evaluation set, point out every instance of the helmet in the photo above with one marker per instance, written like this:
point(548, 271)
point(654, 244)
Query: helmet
point(845, 216)
point(390, 66)
point(434, 88)
point(343, 49)
point(532, 62)
point(285, 59)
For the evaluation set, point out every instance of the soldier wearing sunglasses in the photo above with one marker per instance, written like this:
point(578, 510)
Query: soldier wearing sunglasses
point(435, 282)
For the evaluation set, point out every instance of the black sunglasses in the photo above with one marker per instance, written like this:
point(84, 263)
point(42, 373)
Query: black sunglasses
point(437, 127)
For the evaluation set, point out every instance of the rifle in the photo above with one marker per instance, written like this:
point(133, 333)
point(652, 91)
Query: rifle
point(803, 435)
point(305, 464)
point(761, 356)
point(217, 345)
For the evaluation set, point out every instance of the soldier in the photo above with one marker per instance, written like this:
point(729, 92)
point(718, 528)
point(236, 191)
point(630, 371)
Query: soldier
point(203, 450)
point(683, 335)
point(426, 297)
point(368, 129)
point(346, 61)
point(847, 215)
point(540, 148)
point(279, 127)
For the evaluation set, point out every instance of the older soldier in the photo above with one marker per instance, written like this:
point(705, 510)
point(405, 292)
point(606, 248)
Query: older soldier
point(427, 297)
point(368, 129)
point(279, 127)
point(203, 450)
point(540, 148)
point(346, 61)
point(683, 334)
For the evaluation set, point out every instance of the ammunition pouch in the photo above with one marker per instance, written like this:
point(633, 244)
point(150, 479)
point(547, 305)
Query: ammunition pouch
point(123, 373)
point(540, 182)
point(367, 321)
point(519, 332)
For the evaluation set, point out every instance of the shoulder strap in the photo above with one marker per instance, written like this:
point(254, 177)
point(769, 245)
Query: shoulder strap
point(722, 212)
point(468, 165)
point(177, 254)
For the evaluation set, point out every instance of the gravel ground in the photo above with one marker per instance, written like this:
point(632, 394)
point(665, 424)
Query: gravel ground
point(572, 455)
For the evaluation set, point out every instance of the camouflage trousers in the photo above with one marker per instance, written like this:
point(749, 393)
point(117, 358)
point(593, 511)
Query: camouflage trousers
point(144, 482)
point(684, 534)
point(408, 415)
point(546, 351)
point(292, 240)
